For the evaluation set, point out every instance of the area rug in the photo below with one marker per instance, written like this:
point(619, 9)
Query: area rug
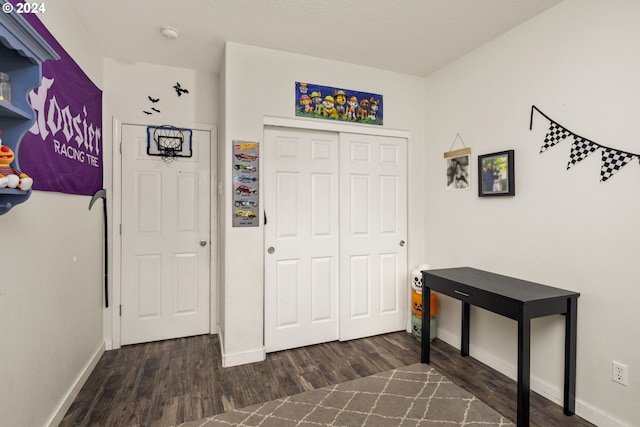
point(416, 395)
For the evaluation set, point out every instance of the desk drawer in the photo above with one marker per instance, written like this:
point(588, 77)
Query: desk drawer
point(473, 296)
point(457, 291)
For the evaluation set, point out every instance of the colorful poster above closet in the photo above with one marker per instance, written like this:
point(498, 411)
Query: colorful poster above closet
point(62, 151)
point(330, 103)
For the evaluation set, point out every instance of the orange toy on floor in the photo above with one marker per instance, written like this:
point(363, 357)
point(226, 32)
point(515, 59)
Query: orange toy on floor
point(416, 304)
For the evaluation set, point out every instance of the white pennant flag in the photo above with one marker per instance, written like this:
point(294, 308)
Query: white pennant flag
point(612, 161)
point(580, 149)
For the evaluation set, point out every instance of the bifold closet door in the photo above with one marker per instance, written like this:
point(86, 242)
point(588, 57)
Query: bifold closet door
point(335, 257)
point(301, 237)
point(373, 234)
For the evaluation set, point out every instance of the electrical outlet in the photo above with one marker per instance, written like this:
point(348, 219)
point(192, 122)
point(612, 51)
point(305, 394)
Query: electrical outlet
point(620, 373)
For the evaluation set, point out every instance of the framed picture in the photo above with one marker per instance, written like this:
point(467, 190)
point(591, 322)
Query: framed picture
point(496, 174)
point(458, 173)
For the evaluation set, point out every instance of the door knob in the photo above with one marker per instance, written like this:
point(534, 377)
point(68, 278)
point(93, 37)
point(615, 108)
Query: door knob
point(401, 242)
point(271, 249)
point(203, 243)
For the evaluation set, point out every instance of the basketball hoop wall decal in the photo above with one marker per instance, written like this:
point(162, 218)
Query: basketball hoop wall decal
point(169, 142)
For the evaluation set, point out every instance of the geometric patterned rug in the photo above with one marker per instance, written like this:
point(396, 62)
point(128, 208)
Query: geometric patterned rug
point(415, 395)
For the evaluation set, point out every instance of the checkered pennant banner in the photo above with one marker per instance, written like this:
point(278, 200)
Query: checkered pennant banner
point(612, 161)
point(555, 134)
point(580, 149)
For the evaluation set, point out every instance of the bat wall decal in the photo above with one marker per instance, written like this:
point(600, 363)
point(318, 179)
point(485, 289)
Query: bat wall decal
point(179, 89)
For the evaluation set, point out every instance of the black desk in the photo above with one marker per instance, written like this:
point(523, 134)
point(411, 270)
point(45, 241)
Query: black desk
point(513, 298)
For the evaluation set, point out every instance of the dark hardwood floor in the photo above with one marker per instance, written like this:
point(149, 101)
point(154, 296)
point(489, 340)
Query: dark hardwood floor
point(169, 382)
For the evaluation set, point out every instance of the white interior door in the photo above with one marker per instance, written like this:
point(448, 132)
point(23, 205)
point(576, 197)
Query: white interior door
point(301, 237)
point(373, 231)
point(165, 240)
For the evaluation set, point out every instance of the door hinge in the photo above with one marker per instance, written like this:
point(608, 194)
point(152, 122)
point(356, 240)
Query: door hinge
point(121, 229)
point(120, 147)
point(120, 310)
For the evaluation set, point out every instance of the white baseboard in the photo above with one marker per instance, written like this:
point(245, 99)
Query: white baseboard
point(583, 409)
point(68, 399)
point(108, 344)
point(240, 358)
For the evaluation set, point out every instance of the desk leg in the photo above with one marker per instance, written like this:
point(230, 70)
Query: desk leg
point(464, 339)
point(571, 319)
point(524, 370)
point(425, 343)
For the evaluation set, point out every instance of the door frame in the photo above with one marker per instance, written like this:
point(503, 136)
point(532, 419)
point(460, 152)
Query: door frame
point(333, 126)
point(340, 127)
point(111, 318)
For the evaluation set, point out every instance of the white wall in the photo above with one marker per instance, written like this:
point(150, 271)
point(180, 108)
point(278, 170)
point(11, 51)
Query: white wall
point(51, 286)
point(127, 86)
point(260, 82)
point(579, 63)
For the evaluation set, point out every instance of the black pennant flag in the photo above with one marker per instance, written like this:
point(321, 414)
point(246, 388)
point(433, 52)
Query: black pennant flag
point(580, 149)
point(555, 134)
point(612, 161)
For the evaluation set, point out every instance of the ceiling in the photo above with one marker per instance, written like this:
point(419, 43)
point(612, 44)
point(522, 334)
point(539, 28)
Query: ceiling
point(409, 36)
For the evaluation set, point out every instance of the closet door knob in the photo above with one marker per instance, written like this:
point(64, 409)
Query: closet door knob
point(271, 249)
point(402, 243)
point(203, 243)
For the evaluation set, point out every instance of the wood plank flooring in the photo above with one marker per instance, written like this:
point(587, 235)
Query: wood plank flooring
point(169, 382)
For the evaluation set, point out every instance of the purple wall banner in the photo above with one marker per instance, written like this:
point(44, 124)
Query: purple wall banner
point(62, 151)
